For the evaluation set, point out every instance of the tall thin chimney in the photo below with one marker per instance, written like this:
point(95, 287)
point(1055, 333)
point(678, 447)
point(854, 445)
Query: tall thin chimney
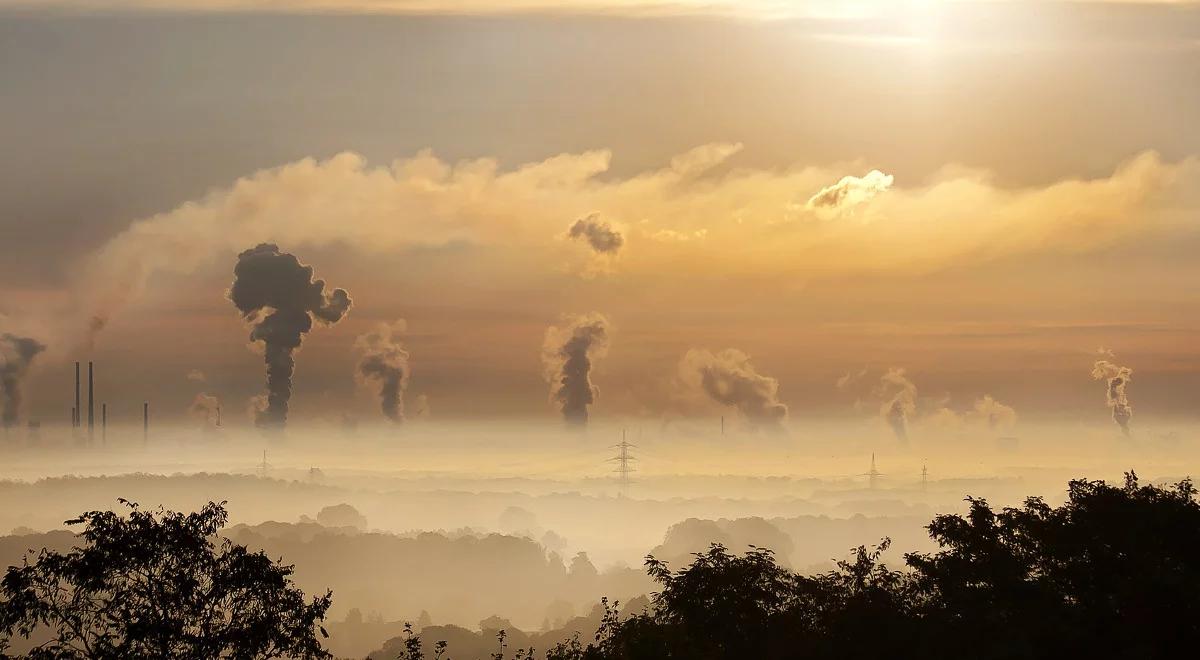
point(76, 420)
point(218, 416)
point(146, 422)
point(91, 404)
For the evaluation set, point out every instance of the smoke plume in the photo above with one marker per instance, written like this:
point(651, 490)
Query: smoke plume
point(279, 296)
point(603, 237)
point(16, 354)
point(729, 378)
point(1118, 378)
point(994, 414)
point(899, 401)
point(567, 356)
point(204, 407)
point(385, 363)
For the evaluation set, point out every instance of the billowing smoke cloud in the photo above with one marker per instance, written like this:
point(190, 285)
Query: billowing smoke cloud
point(16, 355)
point(278, 294)
point(205, 407)
point(994, 414)
point(1118, 378)
point(729, 378)
point(851, 191)
point(899, 401)
point(385, 363)
point(603, 237)
point(567, 356)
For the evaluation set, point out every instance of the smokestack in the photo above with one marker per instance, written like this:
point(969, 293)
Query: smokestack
point(146, 423)
point(218, 416)
point(104, 423)
point(75, 417)
point(91, 405)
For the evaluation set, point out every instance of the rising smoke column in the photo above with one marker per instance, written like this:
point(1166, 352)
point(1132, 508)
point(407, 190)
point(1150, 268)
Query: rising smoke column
point(385, 362)
point(729, 378)
point(567, 356)
point(278, 294)
point(16, 354)
point(899, 401)
point(1118, 378)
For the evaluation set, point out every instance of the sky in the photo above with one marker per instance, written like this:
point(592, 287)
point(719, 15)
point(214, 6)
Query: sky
point(794, 201)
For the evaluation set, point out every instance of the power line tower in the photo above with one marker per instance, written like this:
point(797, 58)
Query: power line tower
point(924, 477)
point(623, 459)
point(264, 466)
point(873, 475)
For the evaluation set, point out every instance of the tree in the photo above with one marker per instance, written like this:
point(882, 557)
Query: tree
point(154, 584)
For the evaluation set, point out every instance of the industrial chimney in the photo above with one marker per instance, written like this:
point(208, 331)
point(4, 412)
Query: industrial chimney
point(75, 417)
point(91, 405)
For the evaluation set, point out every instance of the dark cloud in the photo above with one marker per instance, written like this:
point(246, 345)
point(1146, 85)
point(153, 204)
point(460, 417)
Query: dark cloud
point(385, 362)
point(729, 378)
point(278, 294)
point(16, 354)
point(1117, 378)
point(603, 237)
point(567, 356)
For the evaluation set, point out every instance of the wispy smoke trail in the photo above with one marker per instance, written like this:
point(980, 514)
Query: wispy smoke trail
point(899, 401)
point(385, 362)
point(278, 294)
point(1118, 378)
point(729, 378)
point(16, 354)
point(567, 356)
point(600, 235)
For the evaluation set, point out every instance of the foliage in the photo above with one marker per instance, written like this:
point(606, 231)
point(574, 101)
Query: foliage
point(1114, 572)
point(154, 584)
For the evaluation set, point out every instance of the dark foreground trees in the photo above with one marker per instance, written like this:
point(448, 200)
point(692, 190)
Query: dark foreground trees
point(153, 584)
point(1112, 573)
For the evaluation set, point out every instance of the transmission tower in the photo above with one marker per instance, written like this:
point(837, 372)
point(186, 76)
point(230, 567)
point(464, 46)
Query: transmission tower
point(924, 477)
point(873, 475)
point(264, 466)
point(623, 459)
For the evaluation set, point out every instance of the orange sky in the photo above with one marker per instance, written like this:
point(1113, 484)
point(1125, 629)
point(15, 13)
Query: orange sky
point(983, 203)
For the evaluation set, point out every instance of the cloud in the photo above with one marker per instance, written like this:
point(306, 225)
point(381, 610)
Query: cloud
point(600, 235)
point(729, 378)
point(851, 191)
point(197, 376)
point(747, 217)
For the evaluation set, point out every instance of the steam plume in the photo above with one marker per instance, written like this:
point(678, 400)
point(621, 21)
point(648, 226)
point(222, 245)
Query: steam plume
point(1118, 378)
point(899, 401)
point(385, 362)
point(567, 356)
point(603, 237)
point(205, 406)
point(16, 354)
point(729, 378)
point(278, 294)
point(993, 413)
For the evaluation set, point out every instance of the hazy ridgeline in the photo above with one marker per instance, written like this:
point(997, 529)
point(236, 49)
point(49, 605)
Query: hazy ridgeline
point(526, 522)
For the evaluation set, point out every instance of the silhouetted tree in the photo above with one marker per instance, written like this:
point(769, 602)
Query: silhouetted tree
point(152, 584)
point(1114, 572)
